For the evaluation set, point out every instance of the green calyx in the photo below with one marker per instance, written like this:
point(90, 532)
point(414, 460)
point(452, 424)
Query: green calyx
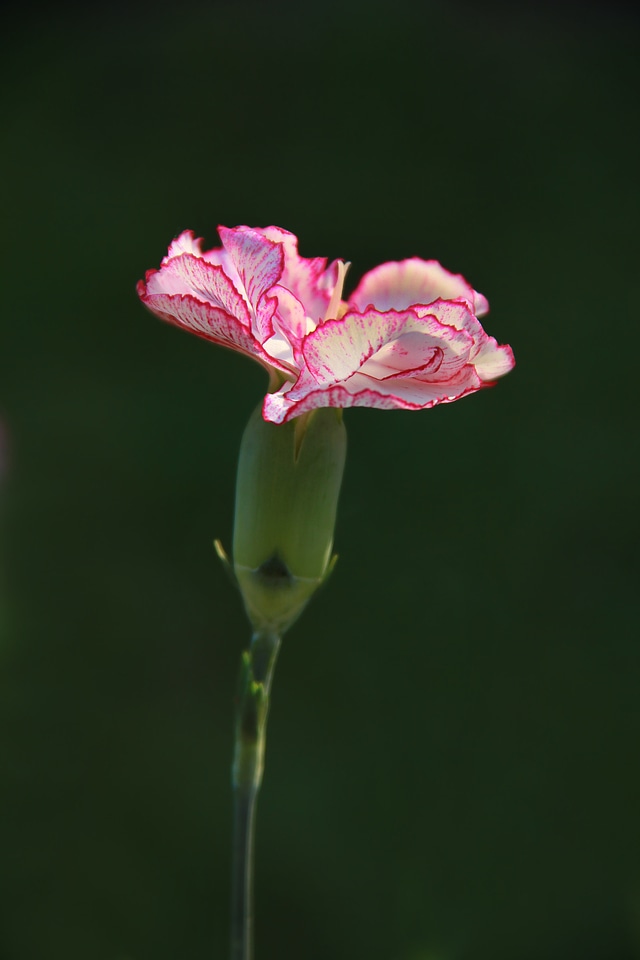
point(289, 478)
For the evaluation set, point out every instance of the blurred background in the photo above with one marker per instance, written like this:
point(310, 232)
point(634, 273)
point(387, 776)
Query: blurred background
point(452, 767)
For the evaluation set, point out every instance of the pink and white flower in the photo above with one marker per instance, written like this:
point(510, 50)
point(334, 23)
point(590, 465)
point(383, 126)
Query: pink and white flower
point(408, 337)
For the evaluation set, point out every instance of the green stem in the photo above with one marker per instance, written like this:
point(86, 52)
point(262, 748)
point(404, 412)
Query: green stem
point(251, 725)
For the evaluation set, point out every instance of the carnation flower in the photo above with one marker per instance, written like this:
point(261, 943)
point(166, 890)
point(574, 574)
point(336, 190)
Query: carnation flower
point(408, 337)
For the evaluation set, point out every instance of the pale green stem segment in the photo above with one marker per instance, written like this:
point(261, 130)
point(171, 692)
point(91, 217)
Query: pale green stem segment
point(287, 490)
point(251, 725)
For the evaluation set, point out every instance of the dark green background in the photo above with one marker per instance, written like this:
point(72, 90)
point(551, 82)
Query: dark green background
point(452, 768)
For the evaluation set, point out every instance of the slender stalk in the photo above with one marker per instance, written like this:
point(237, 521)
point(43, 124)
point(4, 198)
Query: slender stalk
point(253, 706)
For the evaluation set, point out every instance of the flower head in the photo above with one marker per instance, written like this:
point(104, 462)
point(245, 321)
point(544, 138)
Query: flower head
point(408, 337)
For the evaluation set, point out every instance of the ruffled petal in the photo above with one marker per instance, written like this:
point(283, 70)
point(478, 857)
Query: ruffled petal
point(188, 274)
point(490, 360)
point(186, 242)
point(362, 391)
point(290, 317)
point(397, 285)
point(210, 322)
point(280, 407)
point(308, 279)
point(493, 360)
point(259, 263)
point(409, 338)
point(391, 360)
point(339, 348)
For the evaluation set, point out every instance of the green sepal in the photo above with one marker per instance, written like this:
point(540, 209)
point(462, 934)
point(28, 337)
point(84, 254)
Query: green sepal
point(289, 479)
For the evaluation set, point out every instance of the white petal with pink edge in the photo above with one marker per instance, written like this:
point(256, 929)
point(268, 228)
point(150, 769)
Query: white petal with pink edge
point(339, 348)
point(259, 263)
point(187, 274)
point(397, 285)
point(210, 322)
point(362, 391)
point(308, 279)
point(408, 338)
point(186, 242)
point(493, 360)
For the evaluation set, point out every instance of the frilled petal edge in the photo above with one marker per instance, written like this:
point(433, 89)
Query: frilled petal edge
point(209, 322)
point(398, 341)
point(399, 284)
point(493, 360)
point(185, 242)
point(280, 407)
point(207, 282)
point(309, 279)
point(409, 336)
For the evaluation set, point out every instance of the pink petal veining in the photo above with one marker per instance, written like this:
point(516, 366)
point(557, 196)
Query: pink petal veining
point(408, 338)
point(400, 284)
